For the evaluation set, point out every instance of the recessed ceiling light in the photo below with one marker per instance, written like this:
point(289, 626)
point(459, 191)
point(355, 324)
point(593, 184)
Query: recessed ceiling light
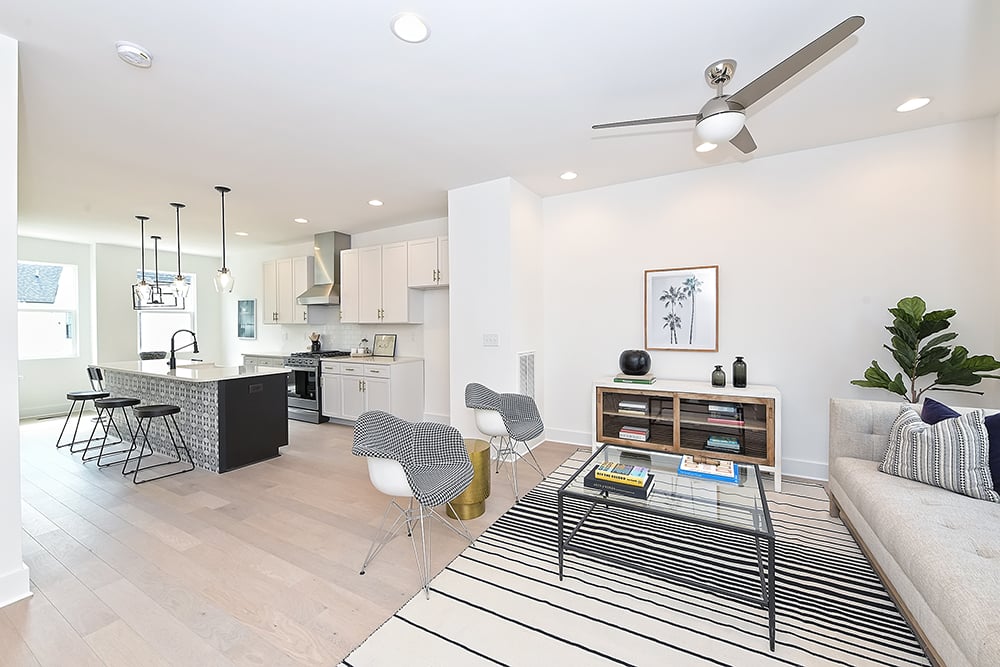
point(301, 221)
point(409, 27)
point(374, 202)
point(568, 175)
point(134, 54)
point(706, 146)
point(913, 104)
point(242, 234)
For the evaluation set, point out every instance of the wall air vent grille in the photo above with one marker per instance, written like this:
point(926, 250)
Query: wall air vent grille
point(526, 373)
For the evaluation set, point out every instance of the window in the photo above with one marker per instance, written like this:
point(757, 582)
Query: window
point(157, 325)
point(48, 298)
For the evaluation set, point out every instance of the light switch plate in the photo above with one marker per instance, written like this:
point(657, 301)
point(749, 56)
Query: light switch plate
point(491, 340)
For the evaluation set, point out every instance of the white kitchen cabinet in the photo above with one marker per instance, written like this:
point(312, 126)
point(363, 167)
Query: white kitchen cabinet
point(284, 280)
point(373, 286)
point(427, 262)
point(351, 388)
point(349, 288)
point(255, 361)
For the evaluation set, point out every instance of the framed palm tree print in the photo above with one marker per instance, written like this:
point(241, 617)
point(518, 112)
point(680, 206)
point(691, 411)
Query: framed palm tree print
point(682, 309)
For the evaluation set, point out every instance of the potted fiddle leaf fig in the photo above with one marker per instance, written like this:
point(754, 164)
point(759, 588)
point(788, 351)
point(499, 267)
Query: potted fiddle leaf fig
point(920, 349)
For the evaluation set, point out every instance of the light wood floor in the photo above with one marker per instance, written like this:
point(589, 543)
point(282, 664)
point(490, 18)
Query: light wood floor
point(258, 566)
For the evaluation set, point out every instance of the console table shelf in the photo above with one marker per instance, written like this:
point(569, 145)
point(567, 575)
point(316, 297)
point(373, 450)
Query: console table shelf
point(687, 417)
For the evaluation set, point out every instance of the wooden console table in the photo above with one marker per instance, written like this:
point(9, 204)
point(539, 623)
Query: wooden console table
point(684, 417)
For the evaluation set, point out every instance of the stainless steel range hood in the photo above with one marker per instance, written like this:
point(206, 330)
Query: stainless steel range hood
point(326, 270)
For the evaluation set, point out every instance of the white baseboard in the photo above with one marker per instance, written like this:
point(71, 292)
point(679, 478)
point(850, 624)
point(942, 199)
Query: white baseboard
point(14, 586)
point(816, 470)
point(581, 438)
point(440, 419)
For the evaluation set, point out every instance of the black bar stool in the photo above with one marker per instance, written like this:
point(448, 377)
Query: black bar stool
point(106, 409)
point(146, 413)
point(80, 398)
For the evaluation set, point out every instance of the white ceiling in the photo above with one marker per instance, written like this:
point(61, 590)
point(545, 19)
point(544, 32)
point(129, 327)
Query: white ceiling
point(310, 108)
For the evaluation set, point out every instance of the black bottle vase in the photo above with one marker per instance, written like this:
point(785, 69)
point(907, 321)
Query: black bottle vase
point(718, 377)
point(634, 362)
point(739, 372)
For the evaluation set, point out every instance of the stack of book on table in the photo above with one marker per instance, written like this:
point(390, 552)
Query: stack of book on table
point(729, 414)
point(723, 443)
point(638, 433)
point(629, 480)
point(703, 467)
point(633, 407)
point(648, 378)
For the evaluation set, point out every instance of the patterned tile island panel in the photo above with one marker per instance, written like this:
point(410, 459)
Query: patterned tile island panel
point(198, 418)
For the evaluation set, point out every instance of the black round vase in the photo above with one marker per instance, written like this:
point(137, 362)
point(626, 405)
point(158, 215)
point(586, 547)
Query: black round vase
point(634, 362)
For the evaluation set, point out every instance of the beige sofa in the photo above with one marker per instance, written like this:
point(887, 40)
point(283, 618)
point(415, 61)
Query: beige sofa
point(938, 552)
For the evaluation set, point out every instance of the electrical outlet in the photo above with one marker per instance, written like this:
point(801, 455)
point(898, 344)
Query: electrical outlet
point(491, 340)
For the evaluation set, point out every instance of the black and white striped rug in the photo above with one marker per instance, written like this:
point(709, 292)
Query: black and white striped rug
point(501, 602)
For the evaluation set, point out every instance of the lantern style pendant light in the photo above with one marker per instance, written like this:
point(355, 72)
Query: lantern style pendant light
point(224, 280)
point(180, 286)
point(142, 289)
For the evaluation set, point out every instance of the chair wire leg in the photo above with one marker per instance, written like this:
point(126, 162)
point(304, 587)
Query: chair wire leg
point(534, 462)
point(425, 565)
point(382, 538)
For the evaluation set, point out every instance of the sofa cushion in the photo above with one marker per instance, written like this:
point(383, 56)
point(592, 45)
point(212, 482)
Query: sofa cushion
point(952, 454)
point(947, 544)
point(935, 411)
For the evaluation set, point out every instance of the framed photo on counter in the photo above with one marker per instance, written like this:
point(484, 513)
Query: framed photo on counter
point(384, 346)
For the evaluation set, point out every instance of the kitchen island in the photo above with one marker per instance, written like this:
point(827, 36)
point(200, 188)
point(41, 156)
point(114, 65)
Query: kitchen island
point(230, 417)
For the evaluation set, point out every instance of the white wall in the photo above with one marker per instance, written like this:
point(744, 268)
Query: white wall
point(527, 282)
point(13, 573)
point(481, 293)
point(44, 382)
point(812, 248)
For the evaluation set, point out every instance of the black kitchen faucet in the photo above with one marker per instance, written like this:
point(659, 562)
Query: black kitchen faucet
point(172, 362)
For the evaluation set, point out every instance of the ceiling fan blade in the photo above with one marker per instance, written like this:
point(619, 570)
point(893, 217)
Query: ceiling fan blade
point(646, 121)
point(744, 141)
point(795, 63)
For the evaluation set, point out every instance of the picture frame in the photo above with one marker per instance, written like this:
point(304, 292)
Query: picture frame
point(246, 319)
point(384, 345)
point(682, 309)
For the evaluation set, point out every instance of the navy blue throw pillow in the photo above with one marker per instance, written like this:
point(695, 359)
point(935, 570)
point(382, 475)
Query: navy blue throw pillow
point(934, 411)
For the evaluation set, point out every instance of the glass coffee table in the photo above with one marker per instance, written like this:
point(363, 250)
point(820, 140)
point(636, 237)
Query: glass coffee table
point(707, 512)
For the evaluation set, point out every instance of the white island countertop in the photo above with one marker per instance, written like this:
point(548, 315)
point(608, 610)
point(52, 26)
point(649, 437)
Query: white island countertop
point(189, 371)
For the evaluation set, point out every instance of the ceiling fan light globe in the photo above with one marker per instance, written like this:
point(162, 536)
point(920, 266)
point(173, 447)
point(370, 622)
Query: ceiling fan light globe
point(720, 127)
point(224, 281)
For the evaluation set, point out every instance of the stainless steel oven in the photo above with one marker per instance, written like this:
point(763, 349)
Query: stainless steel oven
point(304, 400)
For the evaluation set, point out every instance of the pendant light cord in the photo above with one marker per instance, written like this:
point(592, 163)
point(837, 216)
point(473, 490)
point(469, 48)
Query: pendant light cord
point(178, 208)
point(222, 190)
point(142, 244)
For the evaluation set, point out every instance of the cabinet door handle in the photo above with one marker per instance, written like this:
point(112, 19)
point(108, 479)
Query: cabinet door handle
point(359, 386)
point(304, 313)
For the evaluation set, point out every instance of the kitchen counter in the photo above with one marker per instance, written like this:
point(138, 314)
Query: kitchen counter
point(190, 371)
point(385, 361)
point(230, 417)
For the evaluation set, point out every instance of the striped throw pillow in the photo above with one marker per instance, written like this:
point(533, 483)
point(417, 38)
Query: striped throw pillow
point(952, 454)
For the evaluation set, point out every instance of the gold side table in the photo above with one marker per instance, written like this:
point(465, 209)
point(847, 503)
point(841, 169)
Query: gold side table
point(472, 502)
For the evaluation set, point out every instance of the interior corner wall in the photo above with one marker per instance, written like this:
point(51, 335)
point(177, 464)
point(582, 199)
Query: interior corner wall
point(812, 248)
point(13, 573)
point(480, 293)
point(996, 228)
point(527, 285)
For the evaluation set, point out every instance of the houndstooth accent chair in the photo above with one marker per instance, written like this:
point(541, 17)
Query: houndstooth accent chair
point(424, 461)
point(508, 419)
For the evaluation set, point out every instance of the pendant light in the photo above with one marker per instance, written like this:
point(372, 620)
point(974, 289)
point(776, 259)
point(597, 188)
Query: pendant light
point(180, 286)
point(142, 289)
point(224, 280)
point(156, 297)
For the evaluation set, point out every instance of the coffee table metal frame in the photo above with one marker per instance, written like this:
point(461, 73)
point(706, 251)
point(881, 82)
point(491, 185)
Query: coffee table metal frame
point(759, 526)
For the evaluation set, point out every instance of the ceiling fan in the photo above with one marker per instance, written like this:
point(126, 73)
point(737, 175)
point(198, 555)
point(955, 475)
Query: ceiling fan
point(723, 117)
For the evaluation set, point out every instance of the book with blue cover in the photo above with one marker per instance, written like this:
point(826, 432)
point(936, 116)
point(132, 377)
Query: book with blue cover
point(716, 470)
